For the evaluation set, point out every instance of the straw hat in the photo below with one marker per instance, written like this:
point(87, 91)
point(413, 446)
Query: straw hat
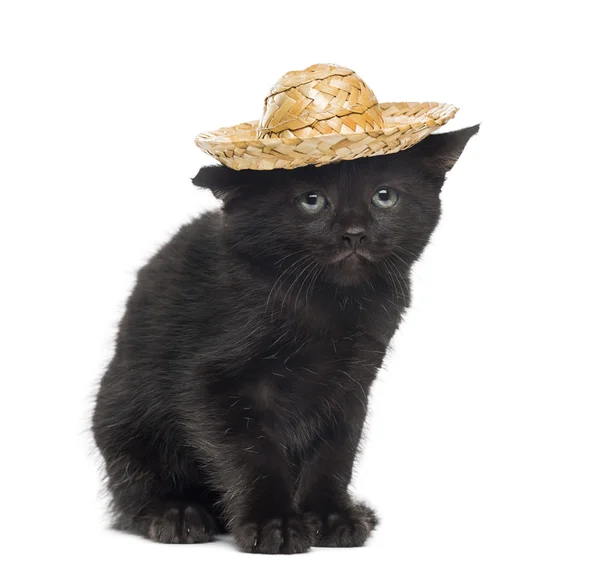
point(321, 115)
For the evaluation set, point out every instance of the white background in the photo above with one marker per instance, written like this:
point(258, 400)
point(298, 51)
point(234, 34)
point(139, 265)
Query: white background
point(482, 454)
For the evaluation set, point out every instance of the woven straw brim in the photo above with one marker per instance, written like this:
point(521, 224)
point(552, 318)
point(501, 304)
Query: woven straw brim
point(405, 124)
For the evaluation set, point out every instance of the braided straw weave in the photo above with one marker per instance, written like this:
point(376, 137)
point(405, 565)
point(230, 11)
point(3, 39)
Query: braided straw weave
point(322, 115)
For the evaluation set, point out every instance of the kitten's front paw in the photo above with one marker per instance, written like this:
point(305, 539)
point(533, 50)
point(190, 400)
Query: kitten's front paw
point(175, 522)
point(279, 535)
point(344, 527)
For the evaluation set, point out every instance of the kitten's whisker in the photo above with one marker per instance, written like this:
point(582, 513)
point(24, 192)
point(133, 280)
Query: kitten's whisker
point(309, 264)
point(400, 277)
point(407, 251)
point(296, 279)
point(288, 255)
point(394, 282)
point(401, 259)
point(252, 236)
point(403, 277)
point(279, 281)
point(314, 264)
point(314, 274)
point(386, 273)
point(314, 281)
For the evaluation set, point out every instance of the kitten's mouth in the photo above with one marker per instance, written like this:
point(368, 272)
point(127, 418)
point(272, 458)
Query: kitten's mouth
point(352, 256)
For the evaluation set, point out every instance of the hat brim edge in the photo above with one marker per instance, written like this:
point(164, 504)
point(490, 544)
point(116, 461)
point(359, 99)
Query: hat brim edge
point(235, 149)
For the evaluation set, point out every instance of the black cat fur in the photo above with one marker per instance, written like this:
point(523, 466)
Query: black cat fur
point(238, 389)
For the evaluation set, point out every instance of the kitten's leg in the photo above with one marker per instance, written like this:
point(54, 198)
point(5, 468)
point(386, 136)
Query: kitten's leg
point(145, 505)
point(250, 467)
point(323, 485)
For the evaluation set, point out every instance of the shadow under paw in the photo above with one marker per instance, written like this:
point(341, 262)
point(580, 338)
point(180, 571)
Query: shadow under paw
point(345, 527)
point(278, 535)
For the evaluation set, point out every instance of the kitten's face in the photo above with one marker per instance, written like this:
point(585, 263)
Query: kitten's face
point(345, 222)
point(349, 220)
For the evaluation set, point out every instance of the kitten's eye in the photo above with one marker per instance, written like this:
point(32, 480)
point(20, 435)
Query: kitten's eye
point(385, 197)
point(312, 202)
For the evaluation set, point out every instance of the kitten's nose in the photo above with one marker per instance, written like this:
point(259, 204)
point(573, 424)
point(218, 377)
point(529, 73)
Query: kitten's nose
point(354, 236)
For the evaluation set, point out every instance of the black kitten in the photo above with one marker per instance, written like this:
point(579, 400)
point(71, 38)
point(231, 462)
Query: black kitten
point(236, 397)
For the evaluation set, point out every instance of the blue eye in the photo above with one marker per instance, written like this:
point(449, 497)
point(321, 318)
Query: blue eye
point(385, 197)
point(312, 202)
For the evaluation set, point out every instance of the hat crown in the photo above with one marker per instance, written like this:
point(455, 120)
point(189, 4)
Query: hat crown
point(321, 100)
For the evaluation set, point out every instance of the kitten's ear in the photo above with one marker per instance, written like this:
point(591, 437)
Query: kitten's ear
point(224, 182)
point(438, 153)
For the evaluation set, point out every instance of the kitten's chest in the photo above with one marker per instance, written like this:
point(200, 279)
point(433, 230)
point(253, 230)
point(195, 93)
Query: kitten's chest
point(304, 385)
